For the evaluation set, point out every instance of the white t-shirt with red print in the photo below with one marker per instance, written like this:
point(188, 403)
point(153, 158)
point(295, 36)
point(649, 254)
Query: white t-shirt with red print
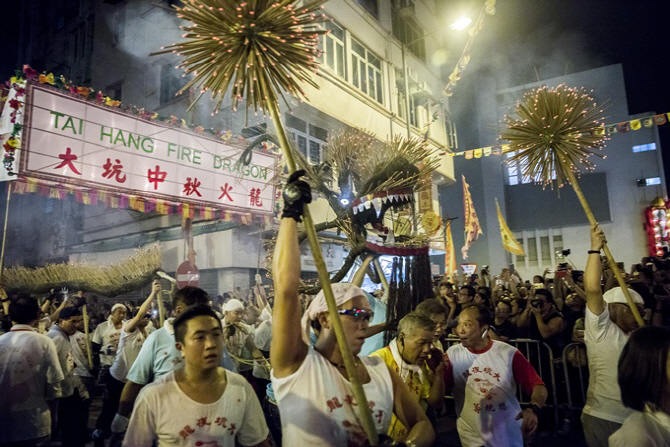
point(164, 414)
point(318, 408)
point(484, 386)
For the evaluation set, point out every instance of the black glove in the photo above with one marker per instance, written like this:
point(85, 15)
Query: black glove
point(297, 193)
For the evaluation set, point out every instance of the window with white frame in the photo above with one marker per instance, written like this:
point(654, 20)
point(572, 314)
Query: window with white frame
point(366, 71)
point(515, 172)
point(308, 138)
point(644, 147)
point(332, 49)
point(402, 97)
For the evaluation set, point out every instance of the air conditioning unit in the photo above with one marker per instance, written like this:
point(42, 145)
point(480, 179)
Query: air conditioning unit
point(411, 74)
point(406, 8)
point(422, 90)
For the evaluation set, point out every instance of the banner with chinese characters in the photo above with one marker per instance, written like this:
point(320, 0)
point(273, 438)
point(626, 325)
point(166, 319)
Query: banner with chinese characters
point(72, 141)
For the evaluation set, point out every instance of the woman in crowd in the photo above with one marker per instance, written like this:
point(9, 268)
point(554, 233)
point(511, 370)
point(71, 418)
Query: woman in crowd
point(644, 379)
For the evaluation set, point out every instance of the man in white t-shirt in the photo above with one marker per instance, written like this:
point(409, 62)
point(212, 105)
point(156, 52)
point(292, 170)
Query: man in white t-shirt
point(30, 376)
point(72, 414)
point(607, 325)
point(159, 356)
point(239, 338)
point(484, 375)
point(200, 404)
point(107, 335)
point(310, 383)
point(132, 336)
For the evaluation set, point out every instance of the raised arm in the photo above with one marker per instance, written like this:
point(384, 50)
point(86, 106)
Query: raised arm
point(288, 348)
point(593, 273)
point(156, 290)
point(360, 273)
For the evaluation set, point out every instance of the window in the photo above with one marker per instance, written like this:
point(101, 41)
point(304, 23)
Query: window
point(171, 82)
point(649, 181)
point(515, 172)
point(308, 138)
point(545, 248)
point(408, 31)
point(644, 147)
point(521, 259)
point(366, 70)
point(531, 250)
point(558, 243)
point(400, 90)
point(370, 6)
point(332, 49)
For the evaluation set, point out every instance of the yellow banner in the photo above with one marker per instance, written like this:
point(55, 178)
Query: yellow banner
point(509, 241)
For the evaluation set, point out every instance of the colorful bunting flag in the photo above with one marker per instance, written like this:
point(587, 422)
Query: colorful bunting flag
point(635, 124)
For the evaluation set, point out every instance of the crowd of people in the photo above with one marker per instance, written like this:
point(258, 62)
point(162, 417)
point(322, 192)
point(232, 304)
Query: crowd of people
point(265, 368)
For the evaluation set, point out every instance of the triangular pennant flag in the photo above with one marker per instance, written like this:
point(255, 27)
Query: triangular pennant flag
point(487, 151)
point(635, 124)
point(624, 127)
point(472, 227)
point(648, 122)
point(478, 153)
point(660, 119)
point(449, 253)
point(612, 129)
point(509, 241)
point(468, 155)
point(599, 131)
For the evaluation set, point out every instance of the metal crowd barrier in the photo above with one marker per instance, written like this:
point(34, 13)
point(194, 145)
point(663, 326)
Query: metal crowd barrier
point(543, 363)
point(579, 362)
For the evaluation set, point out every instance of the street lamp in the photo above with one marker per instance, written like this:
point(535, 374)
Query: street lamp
point(461, 23)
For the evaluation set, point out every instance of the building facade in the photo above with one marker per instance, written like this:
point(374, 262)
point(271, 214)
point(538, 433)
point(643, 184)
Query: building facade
point(372, 46)
point(547, 221)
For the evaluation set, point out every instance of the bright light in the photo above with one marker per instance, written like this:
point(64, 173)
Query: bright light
point(461, 23)
point(344, 202)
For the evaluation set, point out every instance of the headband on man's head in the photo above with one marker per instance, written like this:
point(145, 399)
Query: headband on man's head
point(343, 292)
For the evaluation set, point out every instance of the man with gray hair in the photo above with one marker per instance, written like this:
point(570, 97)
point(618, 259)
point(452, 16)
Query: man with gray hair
point(408, 354)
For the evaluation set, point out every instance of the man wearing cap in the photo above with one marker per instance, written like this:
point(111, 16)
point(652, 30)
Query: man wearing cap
point(71, 407)
point(311, 384)
point(608, 323)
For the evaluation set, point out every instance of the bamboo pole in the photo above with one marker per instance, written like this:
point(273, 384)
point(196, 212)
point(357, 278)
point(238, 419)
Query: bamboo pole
point(382, 276)
point(84, 311)
point(608, 254)
point(161, 308)
point(365, 413)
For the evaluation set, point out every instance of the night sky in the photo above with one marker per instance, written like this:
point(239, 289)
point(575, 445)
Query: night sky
point(550, 36)
point(555, 37)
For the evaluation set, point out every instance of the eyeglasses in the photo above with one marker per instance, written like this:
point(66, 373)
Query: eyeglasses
point(362, 314)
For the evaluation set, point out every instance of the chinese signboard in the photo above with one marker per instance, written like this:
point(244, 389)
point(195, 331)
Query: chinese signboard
point(74, 141)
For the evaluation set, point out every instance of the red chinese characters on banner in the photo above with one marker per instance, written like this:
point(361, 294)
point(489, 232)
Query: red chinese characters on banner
point(255, 197)
point(68, 157)
point(225, 192)
point(156, 176)
point(114, 170)
point(191, 186)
